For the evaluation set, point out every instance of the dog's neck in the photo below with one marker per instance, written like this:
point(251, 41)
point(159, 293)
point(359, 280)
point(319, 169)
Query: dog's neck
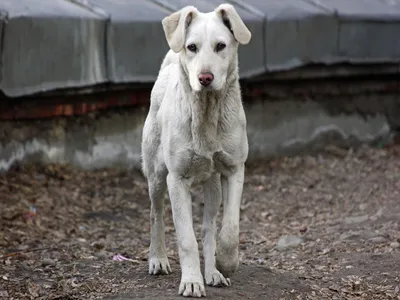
point(205, 108)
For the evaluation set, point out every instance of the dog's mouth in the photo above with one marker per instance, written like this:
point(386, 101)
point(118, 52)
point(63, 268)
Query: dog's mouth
point(203, 89)
point(211, 88)
point(207, 88)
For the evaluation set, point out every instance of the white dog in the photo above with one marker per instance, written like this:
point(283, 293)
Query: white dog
point(195, 133)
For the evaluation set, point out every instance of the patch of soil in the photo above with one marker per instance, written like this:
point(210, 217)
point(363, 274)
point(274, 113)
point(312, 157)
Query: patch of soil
point(313, 227)
point(263, 283)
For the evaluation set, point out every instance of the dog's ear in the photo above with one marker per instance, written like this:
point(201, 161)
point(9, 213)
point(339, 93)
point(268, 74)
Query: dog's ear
point(175, 26)
point(232, 20)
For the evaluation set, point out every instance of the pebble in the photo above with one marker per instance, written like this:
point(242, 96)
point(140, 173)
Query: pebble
point(395, 244)
point(48, 262)
point(102, 254)
point(261, 261)
point(287, 241)
point(325, 251)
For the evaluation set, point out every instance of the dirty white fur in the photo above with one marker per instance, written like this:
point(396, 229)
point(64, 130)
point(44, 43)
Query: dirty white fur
point(197, 135)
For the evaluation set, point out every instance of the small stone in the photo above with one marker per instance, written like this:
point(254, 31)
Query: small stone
point(363, 206)
point(48, 262)
point(325, 251)
point(287, 241)
point(395, 244)
point(334, 288)
point(101, 254)
point(261, 261)
point(349, 267)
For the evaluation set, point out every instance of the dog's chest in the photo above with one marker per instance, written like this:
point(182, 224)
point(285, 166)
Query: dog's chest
point(200, 138)
point(205, 115)
point(204, 143)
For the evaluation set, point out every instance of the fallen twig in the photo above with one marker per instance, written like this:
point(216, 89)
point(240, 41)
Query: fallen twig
point(12, 254)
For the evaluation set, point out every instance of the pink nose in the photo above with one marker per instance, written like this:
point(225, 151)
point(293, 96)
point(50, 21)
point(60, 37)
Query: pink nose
point(206, 78)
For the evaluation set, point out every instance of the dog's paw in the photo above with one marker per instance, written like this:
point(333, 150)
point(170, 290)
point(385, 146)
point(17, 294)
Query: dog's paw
point(192, 287)
point(227, 255)
point(227, 265)
point(215, 278)
point(159, 266)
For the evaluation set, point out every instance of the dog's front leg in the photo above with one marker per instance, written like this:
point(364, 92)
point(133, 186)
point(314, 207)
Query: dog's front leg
point(191, 281)
point(228, 239)
point(212, 202)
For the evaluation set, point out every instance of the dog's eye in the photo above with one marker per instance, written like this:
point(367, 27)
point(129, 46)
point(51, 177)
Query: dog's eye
point(220, 47)
point(192, 48)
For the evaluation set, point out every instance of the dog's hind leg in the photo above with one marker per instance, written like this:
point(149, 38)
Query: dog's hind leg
point(227, 257)
point(158, 260)
point(212, 202)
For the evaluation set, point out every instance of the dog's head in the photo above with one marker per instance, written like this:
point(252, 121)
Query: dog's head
point(207, 43)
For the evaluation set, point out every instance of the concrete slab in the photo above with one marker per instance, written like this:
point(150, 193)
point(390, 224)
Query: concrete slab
point(296, 33)
point(136, 42)
point(3, 19)
point(362, 22)
point(49, 45)
point(76, 43)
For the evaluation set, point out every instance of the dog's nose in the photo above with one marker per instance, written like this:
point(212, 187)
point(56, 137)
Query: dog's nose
point(206, 78)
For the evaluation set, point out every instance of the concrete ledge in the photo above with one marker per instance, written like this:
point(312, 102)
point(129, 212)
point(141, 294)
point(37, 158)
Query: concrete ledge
point(293, 128)
point(283, 124)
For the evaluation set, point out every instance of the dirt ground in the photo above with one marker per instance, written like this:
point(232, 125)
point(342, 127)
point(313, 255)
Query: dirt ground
point(325, 226)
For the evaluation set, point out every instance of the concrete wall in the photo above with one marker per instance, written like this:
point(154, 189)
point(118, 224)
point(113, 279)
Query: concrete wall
point(284, 127)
